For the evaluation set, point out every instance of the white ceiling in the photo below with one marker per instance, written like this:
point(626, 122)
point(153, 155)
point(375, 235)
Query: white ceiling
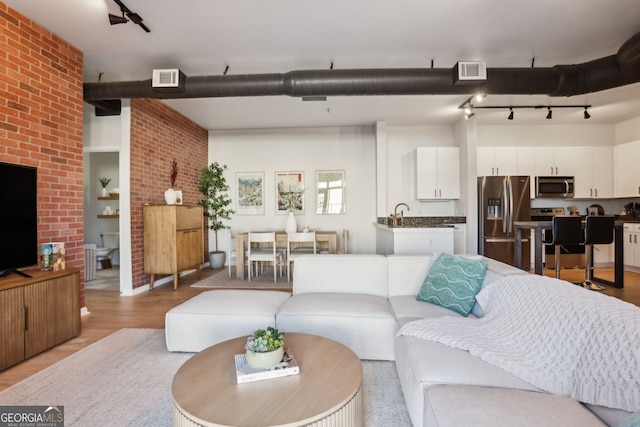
point(202, 37)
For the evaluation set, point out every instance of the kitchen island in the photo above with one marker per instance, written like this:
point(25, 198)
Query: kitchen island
point(422, 236)
point(538, 226)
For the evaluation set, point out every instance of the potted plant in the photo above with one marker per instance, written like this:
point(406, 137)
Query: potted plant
point(213, 185)
point(265, 348)
point(171, 196)
point(104, 182)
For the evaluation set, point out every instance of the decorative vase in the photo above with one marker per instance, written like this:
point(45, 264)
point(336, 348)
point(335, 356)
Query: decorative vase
point(291, 226)
point(170, 196)
point(104, 191)
point(266, 360)
point(178, 197)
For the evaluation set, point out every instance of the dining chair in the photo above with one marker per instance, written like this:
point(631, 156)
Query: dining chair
point(231, 251)
point(261, 247)
point(299, 244)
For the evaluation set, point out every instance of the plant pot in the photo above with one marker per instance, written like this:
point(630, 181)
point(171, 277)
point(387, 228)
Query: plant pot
point(170, 196)
point(216, 259)
point(265, 360)
point(104, 192)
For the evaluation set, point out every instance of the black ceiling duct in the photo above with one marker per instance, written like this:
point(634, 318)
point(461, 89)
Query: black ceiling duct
point(620, 69)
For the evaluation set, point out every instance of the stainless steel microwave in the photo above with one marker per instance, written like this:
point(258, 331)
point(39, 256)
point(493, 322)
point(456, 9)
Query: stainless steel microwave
point(557, 187)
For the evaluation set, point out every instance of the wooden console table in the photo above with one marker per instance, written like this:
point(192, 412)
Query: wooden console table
point(322, 238)
point(38, 313)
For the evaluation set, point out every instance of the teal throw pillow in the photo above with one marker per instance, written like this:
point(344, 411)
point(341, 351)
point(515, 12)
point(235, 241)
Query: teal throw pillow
point(453, 282)
point(632, 421)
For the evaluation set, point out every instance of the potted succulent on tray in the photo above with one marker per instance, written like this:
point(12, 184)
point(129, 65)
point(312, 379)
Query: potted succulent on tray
point(265, 348)
point(213, 185)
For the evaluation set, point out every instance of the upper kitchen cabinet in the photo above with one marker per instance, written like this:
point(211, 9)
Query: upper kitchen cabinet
point(594, 177)
point(493, 161)
point(626, 173)
point(437, 173)
point(556, 161)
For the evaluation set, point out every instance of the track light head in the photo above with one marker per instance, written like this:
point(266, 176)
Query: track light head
point(549, 114)
point(510, 117)
point(586, 114)
point(115, 19)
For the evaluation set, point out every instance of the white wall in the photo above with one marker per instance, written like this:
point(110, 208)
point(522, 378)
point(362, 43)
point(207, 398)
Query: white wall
point(397, 156)
point(545, 135)
point(627, 131)
point(351, 149)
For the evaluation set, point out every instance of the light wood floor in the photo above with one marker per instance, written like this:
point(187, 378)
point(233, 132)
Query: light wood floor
point(109, 313)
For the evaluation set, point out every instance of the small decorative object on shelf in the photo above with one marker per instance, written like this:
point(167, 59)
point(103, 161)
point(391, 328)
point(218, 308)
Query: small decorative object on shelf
point(171, 196)
point(104, 182)
point(264, 348)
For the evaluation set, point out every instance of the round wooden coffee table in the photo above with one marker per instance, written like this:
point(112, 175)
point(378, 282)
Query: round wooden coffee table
point(327, 391)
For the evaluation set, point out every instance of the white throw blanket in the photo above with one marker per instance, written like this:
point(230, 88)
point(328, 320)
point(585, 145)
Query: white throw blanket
point(555, 335)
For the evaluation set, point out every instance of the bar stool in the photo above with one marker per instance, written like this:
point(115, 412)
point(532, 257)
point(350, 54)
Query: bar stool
point(598, 230)
point(567, 230)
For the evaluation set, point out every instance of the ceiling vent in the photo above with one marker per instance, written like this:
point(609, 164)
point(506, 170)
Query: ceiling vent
point(470, 73)
point(172, 80)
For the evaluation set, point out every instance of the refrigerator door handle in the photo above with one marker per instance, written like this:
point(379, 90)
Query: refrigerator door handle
point(510, 225)
point(505, 201)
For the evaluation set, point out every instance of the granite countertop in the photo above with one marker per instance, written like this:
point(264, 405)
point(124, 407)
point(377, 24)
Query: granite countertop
point(425, 222)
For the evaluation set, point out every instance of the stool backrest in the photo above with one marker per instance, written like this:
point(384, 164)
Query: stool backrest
point(599, 230)
point(567, 230)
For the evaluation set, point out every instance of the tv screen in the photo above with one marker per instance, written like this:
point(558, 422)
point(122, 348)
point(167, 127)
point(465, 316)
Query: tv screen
point(18, 217)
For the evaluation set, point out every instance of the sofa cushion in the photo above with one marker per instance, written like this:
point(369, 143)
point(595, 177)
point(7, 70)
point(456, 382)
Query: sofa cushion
point(218, 315)
point(453, 282)
point(407, 308)
point(349, 274)
point(461, 405)
point(406, 273)
point(364, 323)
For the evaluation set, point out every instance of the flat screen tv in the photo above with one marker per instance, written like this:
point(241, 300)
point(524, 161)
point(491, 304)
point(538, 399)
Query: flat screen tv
point(18, 218)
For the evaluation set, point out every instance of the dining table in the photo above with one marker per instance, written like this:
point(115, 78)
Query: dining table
point(537, 227)
point(324, 239)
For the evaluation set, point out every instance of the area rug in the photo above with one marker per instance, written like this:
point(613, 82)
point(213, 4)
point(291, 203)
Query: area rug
point(221, 280)
point(125, 380)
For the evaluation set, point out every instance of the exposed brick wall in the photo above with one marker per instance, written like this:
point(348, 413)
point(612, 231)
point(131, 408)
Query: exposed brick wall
point(41, 125)
point(158, 135)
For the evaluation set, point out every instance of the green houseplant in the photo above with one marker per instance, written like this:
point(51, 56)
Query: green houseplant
point(214, 187)
point(265, 348)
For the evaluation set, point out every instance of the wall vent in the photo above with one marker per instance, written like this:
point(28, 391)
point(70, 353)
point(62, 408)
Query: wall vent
point(470, 72)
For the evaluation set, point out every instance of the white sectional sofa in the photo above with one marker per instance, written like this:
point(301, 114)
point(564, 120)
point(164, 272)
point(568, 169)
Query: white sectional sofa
point(363, 301)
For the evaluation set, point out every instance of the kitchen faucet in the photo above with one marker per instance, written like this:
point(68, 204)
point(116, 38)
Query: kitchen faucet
point(395, 213)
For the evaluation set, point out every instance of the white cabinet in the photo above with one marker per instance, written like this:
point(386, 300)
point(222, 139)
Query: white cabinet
point(413, 241)
point(494, 161)
point(437, 173)
point(626, 173)
point(557, 161)
point(631, 235)
point(460, 239)
point(595, 179)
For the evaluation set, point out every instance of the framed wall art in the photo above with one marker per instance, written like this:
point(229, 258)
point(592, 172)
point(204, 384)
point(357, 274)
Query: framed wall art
point(330, 192)
point(250, 193)
point(289, 192)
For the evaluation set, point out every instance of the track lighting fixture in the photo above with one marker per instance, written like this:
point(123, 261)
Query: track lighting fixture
point(115, 19)
point(469, 109)
point(130, 16)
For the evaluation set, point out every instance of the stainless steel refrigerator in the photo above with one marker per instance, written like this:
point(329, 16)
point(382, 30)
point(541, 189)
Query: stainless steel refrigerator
point(501, 201)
